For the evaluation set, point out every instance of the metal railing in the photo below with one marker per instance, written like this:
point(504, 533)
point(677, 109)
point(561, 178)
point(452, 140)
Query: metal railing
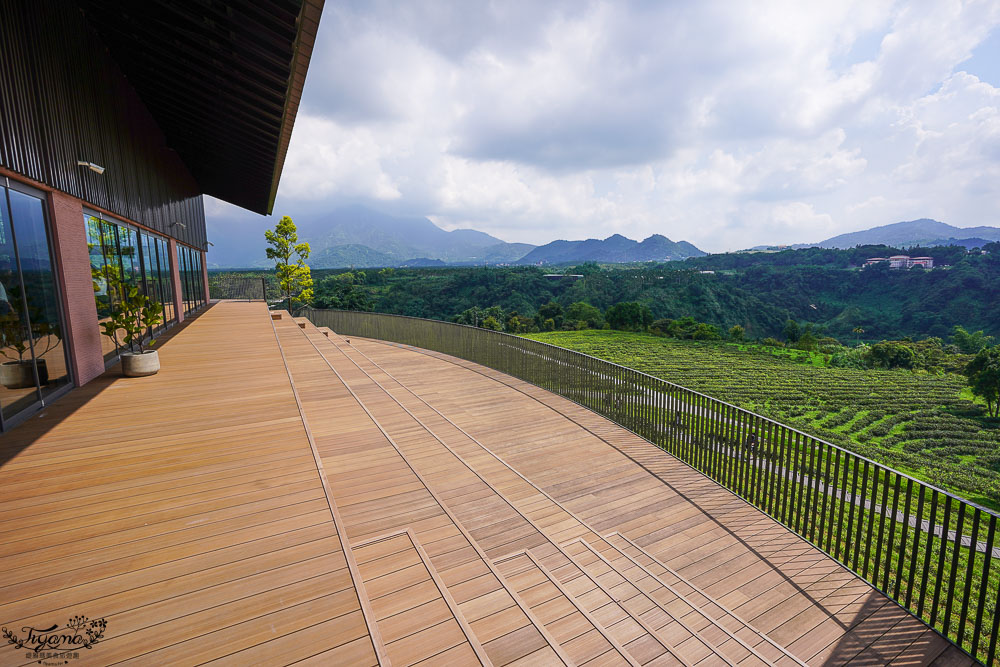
point(930, 551)
point(236, 287)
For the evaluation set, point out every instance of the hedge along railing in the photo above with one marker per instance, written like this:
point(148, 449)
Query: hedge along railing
point(932, 552)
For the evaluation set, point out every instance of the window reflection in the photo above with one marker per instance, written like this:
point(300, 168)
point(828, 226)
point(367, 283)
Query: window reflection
point(32, 352)
point(121, 251)
point(192, 282)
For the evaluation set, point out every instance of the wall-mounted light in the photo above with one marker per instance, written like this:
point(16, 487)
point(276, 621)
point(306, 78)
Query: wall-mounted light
point(178, 224)
point(209, 243)
point(91, 166)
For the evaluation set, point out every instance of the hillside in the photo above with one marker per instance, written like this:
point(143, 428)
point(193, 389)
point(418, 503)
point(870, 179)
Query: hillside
point(353, 254)
point(924, 232)
point(359, 236)
point(920, 423)
point(614, 249)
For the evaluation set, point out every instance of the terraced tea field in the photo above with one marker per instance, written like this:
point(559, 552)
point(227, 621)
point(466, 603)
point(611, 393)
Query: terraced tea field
point(915, 422)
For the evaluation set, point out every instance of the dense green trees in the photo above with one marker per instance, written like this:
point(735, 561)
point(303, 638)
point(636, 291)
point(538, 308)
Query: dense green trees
point(760, 292)
point(343, 291)
point(629, 316)
point(970, 343)
point(582, 313)
point(984, 378)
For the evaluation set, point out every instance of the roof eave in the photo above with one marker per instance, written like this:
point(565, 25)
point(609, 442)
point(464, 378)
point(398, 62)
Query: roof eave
point(305, 38)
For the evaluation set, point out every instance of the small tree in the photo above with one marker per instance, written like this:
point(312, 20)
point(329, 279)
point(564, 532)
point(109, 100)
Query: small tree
point(491, 323)
point(294, 278)
point(792, 331)
point(737, 333)
point(984, 378)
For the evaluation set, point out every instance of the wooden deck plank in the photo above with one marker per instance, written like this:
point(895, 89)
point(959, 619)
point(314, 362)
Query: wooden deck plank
point(197, 511)
point(715, 520)
point(175, 506)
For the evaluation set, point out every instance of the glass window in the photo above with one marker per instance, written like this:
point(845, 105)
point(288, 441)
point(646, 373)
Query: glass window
point(17, 383)
point(192, 283)
point(156, 280)
point(41, 299)
point(169, 310)
point(32, 355)
point(199, 283)
point(182, 268)
point(122, 251)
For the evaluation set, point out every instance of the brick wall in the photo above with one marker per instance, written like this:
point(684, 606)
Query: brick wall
point(69, 240)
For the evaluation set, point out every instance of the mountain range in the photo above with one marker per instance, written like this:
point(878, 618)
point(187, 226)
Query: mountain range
point(615, 248)
point(923, 232)
point(360, 237)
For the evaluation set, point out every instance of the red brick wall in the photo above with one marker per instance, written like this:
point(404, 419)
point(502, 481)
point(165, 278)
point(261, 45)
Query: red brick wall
point(69, 240)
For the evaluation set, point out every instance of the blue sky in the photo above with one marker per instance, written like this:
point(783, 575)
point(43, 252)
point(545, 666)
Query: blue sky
point(725, 124)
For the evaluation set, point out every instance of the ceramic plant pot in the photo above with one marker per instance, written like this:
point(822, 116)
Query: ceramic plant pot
point(135, 365)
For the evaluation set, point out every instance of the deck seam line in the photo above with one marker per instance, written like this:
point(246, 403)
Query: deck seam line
point(475, 545)
point(576, 604)
point(479, 475)
point(559, 504)
point(717, 650)
point(693, 606)
point(449, 599)
point(709, 484)
point(366, 609)
point(442, 588)
point(700, 591)
point(653, 632)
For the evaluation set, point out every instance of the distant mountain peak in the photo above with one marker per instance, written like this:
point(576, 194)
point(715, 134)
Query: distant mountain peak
point(924, 231)
point(615, 248)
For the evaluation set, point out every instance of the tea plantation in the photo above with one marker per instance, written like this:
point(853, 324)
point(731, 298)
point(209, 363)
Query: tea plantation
point(919, 423)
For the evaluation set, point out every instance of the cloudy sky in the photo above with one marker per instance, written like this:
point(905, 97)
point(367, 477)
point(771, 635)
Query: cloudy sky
point(728, 124)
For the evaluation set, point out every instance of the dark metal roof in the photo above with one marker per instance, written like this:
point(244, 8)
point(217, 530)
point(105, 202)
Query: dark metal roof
point(222, 78)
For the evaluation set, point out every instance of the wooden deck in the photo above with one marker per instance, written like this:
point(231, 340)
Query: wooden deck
point(334, 502)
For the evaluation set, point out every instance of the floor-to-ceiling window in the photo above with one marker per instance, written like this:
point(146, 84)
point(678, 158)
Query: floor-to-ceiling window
point(192, 279)
point(123, 252)
point(32, 352)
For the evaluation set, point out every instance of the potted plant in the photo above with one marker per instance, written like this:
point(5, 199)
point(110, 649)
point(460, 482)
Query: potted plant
point(132, 315)
point(16, 341)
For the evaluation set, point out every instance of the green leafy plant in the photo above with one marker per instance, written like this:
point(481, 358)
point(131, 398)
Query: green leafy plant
point(133, 314)
point(14, 335)
point(294, 276)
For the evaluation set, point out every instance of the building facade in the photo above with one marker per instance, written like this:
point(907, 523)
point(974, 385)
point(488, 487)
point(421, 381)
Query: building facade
point(902, 261)
point(114, 121)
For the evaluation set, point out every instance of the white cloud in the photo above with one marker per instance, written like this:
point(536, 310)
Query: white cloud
point(726, 124)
